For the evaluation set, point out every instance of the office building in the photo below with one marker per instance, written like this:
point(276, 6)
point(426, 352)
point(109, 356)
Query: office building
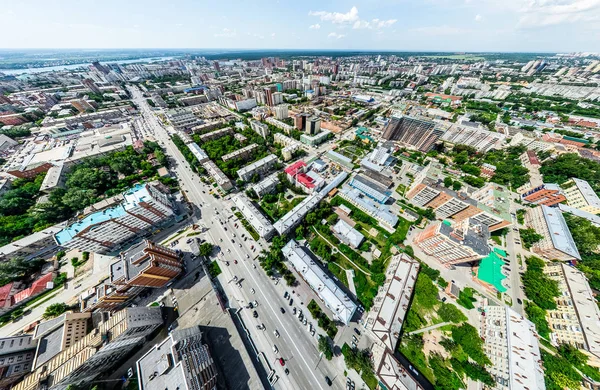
point(257, 220)
point(243, 153)
point(557, 242)
point(334, 298)
point(546, 194)
point(260, 167)
point(315, 140)
point(461, 243)
point(143, 207)
point(511, 344)
point(370, 188)
point(576, 319)
point(217, 175)
point(386, 317)
point(267, 185)
point(417, 133)
point(260, 128)
point(181, 361)
point(347, 234)
point(580, 195)
point(16, 358)
point(111, 339)
point(313, 125)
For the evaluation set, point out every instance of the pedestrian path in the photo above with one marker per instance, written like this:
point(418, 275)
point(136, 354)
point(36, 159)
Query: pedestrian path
point(350, 277)
point(432, 327)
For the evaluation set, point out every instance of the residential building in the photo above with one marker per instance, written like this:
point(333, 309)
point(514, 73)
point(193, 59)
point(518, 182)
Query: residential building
point(290, 145)
point(300, 121)
point(91, 85)
point(257, 220)
point(381, 213)
point(7, 143)
point(16, 358)
point(260, 128)
point(557, 242)
point(198, 152)
point(216, 134)
point(217, 175)
point(260, 167)
point(386, 317)
point(243, 153)
point(453, 244)
point(267, 185)
point(111, 339)
point(281, 111)
point(371, 189)
point(54, 178)
point(593, 218)
point(39, 244)
point(580, 195)
point(314, 140)
point(279, 124)
point(334, 298)
point(181, 361)
point(417, 133)
point(143, 207)
point(546, 194)
point(511, 344)
point(313, 125)
point(347, 234)
point(245, 105)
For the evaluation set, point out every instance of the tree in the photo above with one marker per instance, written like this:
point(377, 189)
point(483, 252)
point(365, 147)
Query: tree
point(468, 338)
point(448, 182)
point(529, 237)
point(457, 185)
point(426, 294)
point(325, 347)
point(206, 249)
point(450, 313)
point(55, 309)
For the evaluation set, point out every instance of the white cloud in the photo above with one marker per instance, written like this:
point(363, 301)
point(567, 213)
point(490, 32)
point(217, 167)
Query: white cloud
point(337, 17)
point(227, 33)
point(315, 26)
point(273, 36)
point(440, 30)
point(478, 18)
point(335, 35)
point(542, 13)
point(373, 24)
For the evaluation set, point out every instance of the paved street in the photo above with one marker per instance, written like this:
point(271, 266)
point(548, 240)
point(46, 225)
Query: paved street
point(294, 344)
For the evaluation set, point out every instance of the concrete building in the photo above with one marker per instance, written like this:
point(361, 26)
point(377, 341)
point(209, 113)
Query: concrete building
point(334, 298)
point(217, 175)
point(371, 189)
point(245, 105)
point(260, 167)
point(54, 178)
point(181, 361)
point(16, 358)
point(347, 234)
point(281, 111)
point(300, 121)
point(260, 128)
point(313, 125)
point(315, 140)
point(257, 220)
point(576, 319)
point(381, 213)
point(511, 344)
point(290, 145)
point(243, 153)
point(198, 152)
point(480, 139)
point(417, 133)
point(112, 338)
point(557, 244)
point(580, 195)
point(39, 244)
point(182, 118)
point(546, 194)
point(267, 185)
point(143, 207)
point(279, 124)
point(339, 159)
point(216, 134)
point(463, 242)
point(299, 175)
point(386, 317)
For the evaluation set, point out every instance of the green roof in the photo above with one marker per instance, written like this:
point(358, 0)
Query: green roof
point(490, 269)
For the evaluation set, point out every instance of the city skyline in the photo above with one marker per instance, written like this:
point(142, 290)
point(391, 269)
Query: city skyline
point(433, 25)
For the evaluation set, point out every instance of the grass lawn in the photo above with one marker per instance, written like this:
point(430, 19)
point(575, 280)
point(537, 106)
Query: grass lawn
point(338, 272)
point(497, 240)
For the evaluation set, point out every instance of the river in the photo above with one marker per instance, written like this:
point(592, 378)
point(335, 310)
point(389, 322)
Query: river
point(77, 66)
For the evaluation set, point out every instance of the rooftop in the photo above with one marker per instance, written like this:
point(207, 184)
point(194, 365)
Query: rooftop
point(559, 232)
point(351, 235)
point(588, 193)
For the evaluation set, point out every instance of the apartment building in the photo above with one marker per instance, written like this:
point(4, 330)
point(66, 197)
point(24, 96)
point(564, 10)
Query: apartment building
point(257, 220)
point(243, 153)
point(511, 343)
point(198, 152)
point(181, 361)
point(281, 111)
point(144, 206)
point(215, 134)
point(453, 244)
point(580, 195)
point(16, 358)
point(279, 124)
point(260, 167)
point(417, 133)
point(557, 242)
point(290, 145)
point(217, 175)
point(315, 140)
point(260, 128)
point(576, 319)
point(112, 338)
point(267, 185)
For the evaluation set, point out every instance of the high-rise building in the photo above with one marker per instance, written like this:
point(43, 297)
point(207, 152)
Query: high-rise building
point(281, 111)
point(300, 121)
point(418, 133)
point(182, 361)
point(269, 91)
point(91, 85)
point(313, 125)
point(217, 66)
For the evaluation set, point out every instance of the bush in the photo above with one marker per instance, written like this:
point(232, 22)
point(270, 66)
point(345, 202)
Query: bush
point(450, 313)
point(55, 310)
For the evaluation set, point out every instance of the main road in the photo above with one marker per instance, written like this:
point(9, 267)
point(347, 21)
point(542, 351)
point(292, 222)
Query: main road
point(294, 344)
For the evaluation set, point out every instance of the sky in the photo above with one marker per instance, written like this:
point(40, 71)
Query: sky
point(396, 25)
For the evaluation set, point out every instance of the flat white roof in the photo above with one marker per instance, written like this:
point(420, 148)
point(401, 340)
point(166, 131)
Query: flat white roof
point(257, 164)
point(588, 193)
point(197, 151)
point(334, 298)
point(258, 221)
point(353, 236)
point(559, 232)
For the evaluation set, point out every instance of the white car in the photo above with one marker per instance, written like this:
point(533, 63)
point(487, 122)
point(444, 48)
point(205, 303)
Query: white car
point(275, 350)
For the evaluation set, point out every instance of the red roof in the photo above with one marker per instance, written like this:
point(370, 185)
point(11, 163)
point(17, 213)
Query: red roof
point(5, 294)
point(533, 157)
point(295, 168)
point(305, 180)
point(36, 287)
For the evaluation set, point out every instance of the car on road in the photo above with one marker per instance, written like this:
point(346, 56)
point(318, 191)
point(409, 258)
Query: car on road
point(285, 294)
point(328, 381)
point(291, 302)
point(276, 333)
point(275, 350)
point(519, 301)
point(282, 362)
point(357, 331)
point(255, 314)
point(287, 372)
point(354, 339)
point(282, 310)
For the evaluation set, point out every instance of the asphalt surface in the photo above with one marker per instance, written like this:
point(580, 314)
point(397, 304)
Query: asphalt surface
point(295, 345)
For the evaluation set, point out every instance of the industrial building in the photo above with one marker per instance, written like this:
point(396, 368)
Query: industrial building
point(182, 118)
point(143, 207)
point(480, 139)
point(339, 159)
point(334, 298)
point(417, 133)
point(381, 213)
point(259, 222)
point(371, 189)
point(181, 361)
point(261, 167)
point(558, 243)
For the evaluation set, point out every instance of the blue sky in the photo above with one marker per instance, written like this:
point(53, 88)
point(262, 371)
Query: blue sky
point(428, 25)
